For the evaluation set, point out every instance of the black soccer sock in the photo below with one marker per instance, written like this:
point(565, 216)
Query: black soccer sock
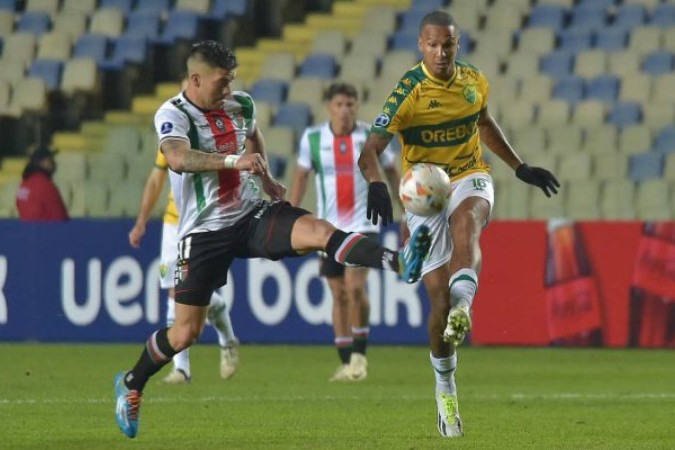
point(344, 352)
point(156, 354)
point(354, 249)
point(360, 339)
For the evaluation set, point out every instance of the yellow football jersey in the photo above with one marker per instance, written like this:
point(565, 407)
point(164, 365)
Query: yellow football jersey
point(437, 120)
point(171, 212)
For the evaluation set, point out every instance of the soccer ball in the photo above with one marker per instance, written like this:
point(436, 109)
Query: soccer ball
point(425, 189)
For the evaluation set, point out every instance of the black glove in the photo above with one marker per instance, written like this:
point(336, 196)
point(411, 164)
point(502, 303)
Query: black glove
point(536, 176)
point(379, 203)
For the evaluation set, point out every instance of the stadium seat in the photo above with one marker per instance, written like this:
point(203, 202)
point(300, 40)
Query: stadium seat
point(12, 70)
point(610, 166)
point(611, 39)
point(644, 40)
point(19, 47)
point(557, 64)
point(381, 19)
point(623, 114)
point(198, 6)
point(409, 20)
point(84, 7)
point(79, 75)
point(601, 139)
point(35, 22)
point(372, 43)
point(521, 115)
point(553, 113)
point(565, 139)
point(91, 46)
point(330, 42)
point(30, 95)
point(574, 166)
point(222, 8)
point(589, 113)
point(624, 64)
point(404, 40)
point(5, 93)
point(127, 49)
point(536, 41)
point(652, 200)
point(296, 116)
point(604, 88)
point(576, 40)
point(270, 91)
point(590, 63)
point(306, 90)
point(181, 24)
point(665, 140)
point(281, 141)
point(107, 22)
point(630, 16)
point(144, 24)
point(636, 88)
point(581, 200)
point(320, 65)
point(8, 5)
point(537, 89)
point(427, 5)
point(522, 65)
point(662, 89)
point(589, 16)
point(153, 6)
point(617, 199)
point(54, 45)
point(669, 38)
point(659, 115)
point(48, 70)
point(122, 5)
point(71, 23)
point(663, 15)
point(550, 16)
point(358, 68)
point(635, 139)
point(529, 140)
point(6, 24)
point(669, 170)
point(513, 200)
point(645, 166)
point(279, 65)
point(570, 89)
point(658, 63)
point(501, 16)
point(395, 64)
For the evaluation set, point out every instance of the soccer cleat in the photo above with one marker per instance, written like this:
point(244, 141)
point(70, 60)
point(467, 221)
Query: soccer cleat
point(412, 256)
point(128, 406)
point(343, 373)
point(459, 324)
point(229, 360)
point(177, 376)
point(358, 366)
point(449, 422)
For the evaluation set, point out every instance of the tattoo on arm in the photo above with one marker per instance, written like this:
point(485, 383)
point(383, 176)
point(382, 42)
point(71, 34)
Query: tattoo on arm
point(182, 158)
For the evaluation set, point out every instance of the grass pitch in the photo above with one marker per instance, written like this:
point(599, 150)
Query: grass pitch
point(61, 397)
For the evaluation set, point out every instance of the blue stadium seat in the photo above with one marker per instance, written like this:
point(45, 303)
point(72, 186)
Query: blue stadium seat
point(552, 16)
point(557, 64)
point(658, 63)
point(466, 44)
point(277, 165)
point(9, 5)
point(611, 39)
point(124, 5)
point(589, 16)
point(222, 8)
point(405, 40)
point(427, 5)
point(34, 22)
point(127, 49)
point(181, 24)
point(570, 89)
point(630, 16)
point(49, 70)
point(293, 115)
point(410, 20)
point(143, 24)
point(576, 39)
point(604, 3)
point(665, 140)
point(646, 166)
point(663, 15)
point(624, 114)
point(321, 65)
point(270, 91)
point(604, 88)
point(91, 46)
point(157, 6)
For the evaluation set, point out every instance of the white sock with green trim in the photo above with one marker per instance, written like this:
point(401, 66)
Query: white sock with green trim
point(444, 371)
point(463, 286)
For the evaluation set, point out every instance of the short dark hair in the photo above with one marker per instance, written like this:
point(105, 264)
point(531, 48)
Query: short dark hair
point(338, 88)
point(439, 18)
point(214, 54)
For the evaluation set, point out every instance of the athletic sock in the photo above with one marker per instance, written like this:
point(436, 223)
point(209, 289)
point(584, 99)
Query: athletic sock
point(344, 345)
point(444, 371)
point(181, 361)
point(219, 317)
point(463, 286)
point(354, 249)
point(156, 354)
point(360, 339)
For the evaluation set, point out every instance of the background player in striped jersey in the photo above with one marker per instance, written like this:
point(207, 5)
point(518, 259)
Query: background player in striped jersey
point(440, 110)
point(331, 150)
point(218, 314)
point(218, 166)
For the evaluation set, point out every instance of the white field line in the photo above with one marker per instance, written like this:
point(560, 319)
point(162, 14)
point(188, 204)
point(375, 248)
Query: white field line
point(665, 396)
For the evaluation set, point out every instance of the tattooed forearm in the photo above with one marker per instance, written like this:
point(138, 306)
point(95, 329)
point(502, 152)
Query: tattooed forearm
point(182, 158)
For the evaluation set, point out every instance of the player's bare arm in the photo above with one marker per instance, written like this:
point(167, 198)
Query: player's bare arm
point(368, 161)
point(151, 192)
point(181, 158)
point(492, 136)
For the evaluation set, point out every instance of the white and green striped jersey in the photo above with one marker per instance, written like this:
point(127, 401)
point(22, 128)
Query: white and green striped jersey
point(341, 190)
point(209, 201)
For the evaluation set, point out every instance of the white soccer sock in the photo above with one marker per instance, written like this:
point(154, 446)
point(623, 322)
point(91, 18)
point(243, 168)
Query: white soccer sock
point(181, 361)
point(463, 286)
point(444, 371)
point(219, 317)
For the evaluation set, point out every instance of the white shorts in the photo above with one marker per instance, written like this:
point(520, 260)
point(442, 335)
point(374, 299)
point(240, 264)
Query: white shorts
point(167, 265)
point(475, 185)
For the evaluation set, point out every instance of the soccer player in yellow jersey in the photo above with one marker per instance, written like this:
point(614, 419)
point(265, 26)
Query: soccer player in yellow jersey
point(218, 314)
point(440, 110)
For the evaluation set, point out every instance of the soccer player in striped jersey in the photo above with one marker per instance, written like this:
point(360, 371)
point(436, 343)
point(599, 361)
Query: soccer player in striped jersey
point(218, 314)
point(440, 110)
point(218, 167)
point(331, 150)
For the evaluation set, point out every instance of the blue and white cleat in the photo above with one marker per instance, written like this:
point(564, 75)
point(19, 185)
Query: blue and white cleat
point(412, 256)
point(128, 406)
